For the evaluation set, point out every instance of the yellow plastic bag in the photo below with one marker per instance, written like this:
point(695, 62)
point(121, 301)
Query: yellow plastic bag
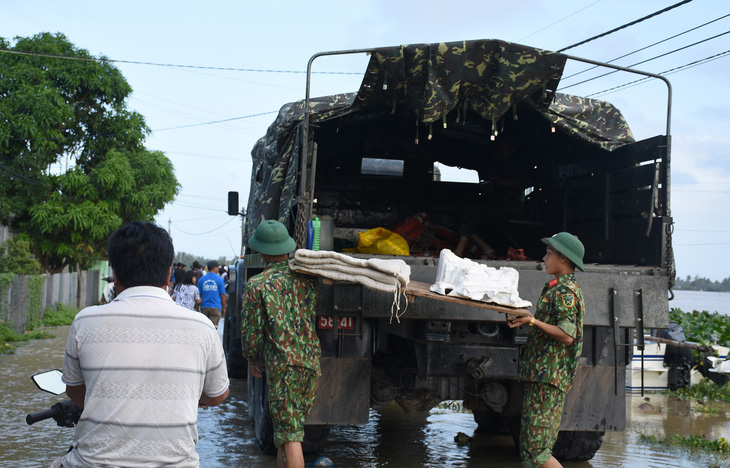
point(382, 241)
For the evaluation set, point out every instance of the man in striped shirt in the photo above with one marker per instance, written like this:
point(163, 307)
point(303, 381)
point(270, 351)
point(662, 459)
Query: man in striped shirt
point(141, 365)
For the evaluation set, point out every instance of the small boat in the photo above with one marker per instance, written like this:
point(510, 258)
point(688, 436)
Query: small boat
point(657, 373)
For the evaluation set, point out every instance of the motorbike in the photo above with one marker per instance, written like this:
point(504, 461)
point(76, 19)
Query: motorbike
point(65, 413)
point(110, 291)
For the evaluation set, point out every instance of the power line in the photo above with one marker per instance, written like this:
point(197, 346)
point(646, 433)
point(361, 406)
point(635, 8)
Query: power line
point(647, 60)
point(701, 191)
point(647, 47)
point(559, 21)
point(666, 72)
point(656, 13)
point(696, 245)
point(203, 233)
point(172, 65)
point(215, 121)
point(15, 175)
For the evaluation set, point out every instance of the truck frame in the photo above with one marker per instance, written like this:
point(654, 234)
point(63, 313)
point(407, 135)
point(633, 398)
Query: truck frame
point(580, 170)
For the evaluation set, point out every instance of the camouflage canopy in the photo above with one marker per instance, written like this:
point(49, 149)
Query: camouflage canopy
point(434, 81)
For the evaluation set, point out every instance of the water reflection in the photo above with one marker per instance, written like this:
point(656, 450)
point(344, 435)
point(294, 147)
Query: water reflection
point(391, 438)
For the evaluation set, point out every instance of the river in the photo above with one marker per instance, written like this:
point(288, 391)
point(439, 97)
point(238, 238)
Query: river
point(391, 438)
point(701, 300)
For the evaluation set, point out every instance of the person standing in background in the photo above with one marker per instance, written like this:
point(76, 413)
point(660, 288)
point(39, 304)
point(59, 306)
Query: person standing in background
point(213, 294)
point(186, 293)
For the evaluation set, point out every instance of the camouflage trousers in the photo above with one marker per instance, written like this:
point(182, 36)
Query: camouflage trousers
point(291, 395)
point(542, 409)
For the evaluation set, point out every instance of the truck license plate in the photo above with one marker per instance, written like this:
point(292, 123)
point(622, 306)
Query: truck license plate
point(326, 322)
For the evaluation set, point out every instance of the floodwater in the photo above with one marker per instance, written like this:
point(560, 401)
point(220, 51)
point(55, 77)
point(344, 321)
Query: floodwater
point(710, 301)
point(391, 438)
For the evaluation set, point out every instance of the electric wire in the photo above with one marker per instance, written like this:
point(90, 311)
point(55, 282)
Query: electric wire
point(172, 65)
point(559, 21)
point(15, 175)
point(656, 13)
point(686, 66)
point(647, 47)
point(645, 61)
point(203, 233)
point(215, 121)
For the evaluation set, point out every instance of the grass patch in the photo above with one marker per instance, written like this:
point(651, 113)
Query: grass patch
point(706, 390)
point(63, 315)
point(9, 336)
point(721, 445)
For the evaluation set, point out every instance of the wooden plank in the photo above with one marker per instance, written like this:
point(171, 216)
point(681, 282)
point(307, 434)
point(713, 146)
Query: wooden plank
point(418, 289)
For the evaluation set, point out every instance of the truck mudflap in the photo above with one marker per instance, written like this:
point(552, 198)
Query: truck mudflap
point(343, 392)
point(594, 403)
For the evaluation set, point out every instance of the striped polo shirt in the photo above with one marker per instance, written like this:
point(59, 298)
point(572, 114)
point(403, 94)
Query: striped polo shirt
point(145, 362)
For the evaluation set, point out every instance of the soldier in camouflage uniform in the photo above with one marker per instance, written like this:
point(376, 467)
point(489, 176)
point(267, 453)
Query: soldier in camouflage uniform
point(280, 340)
point(553, 348)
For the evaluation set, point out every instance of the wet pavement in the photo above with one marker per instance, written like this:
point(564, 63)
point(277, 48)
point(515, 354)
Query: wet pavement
point(391, 438)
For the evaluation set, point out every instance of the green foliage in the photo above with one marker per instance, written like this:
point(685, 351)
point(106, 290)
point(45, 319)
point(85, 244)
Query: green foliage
point(15, 257)
point(690, 442)
point(462, 439)
point(34, 307)
point(72, 114)
point(703, 327)
point(62, 315)
point(702, 284)
point(705, 390)
point(8, 336)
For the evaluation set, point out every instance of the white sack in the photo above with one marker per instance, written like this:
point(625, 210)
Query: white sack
point(476, 281)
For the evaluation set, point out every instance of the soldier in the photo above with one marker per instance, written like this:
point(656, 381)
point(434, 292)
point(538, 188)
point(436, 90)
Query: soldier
point(279, 338)
point(554, 345)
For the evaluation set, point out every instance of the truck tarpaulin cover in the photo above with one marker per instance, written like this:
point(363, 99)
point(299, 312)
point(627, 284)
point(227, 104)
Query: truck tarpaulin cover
point(487, 77)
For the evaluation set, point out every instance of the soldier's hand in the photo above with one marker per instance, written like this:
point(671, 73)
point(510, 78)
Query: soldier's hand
point(254, 371)
point(516, 321)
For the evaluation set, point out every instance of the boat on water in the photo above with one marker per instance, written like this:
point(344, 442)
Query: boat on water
point(660, 373)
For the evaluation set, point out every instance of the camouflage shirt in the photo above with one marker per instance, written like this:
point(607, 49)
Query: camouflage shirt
point(278, 321)
point(546, 359)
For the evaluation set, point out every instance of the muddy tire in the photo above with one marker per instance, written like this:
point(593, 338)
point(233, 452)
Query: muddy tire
point(237, 365)
point(491, 422)
point(314, 436)
point(577, 445)
point(314, 439)
point(261, 415)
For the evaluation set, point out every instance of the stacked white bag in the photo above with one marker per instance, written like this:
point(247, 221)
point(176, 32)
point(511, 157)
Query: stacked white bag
point(461, 277)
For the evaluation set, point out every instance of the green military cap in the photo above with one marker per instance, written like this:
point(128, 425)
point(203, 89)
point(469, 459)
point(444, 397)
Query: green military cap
point(568, 245)
point(272, 238)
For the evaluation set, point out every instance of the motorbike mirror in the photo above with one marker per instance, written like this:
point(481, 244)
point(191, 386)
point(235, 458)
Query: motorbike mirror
point(50, 381)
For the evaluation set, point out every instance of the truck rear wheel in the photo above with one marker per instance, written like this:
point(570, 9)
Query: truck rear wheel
point(261, 416)
point(577, 445)
point(237, 365)
point(314, 436)
point(489, 421)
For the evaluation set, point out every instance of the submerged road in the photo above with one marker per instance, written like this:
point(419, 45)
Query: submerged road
point(391, 438)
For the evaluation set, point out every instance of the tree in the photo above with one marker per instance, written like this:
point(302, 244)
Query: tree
point(15, 257)
point(73, 166)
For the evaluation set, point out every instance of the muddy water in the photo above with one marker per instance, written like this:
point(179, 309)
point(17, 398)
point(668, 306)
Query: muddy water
point(391, 438)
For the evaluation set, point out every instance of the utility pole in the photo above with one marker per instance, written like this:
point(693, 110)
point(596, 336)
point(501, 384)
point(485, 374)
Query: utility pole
point(169, 226)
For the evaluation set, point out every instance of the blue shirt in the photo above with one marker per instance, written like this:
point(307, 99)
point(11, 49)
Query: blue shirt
point(211, 286)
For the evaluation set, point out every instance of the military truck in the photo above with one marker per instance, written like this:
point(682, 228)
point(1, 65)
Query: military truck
point(375, 158)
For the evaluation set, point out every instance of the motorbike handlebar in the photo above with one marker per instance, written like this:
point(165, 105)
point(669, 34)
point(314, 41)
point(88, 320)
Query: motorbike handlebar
point(35, 417)
point(64, 413)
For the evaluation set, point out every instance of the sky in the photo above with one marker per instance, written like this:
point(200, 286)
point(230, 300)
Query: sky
point(183, 106)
